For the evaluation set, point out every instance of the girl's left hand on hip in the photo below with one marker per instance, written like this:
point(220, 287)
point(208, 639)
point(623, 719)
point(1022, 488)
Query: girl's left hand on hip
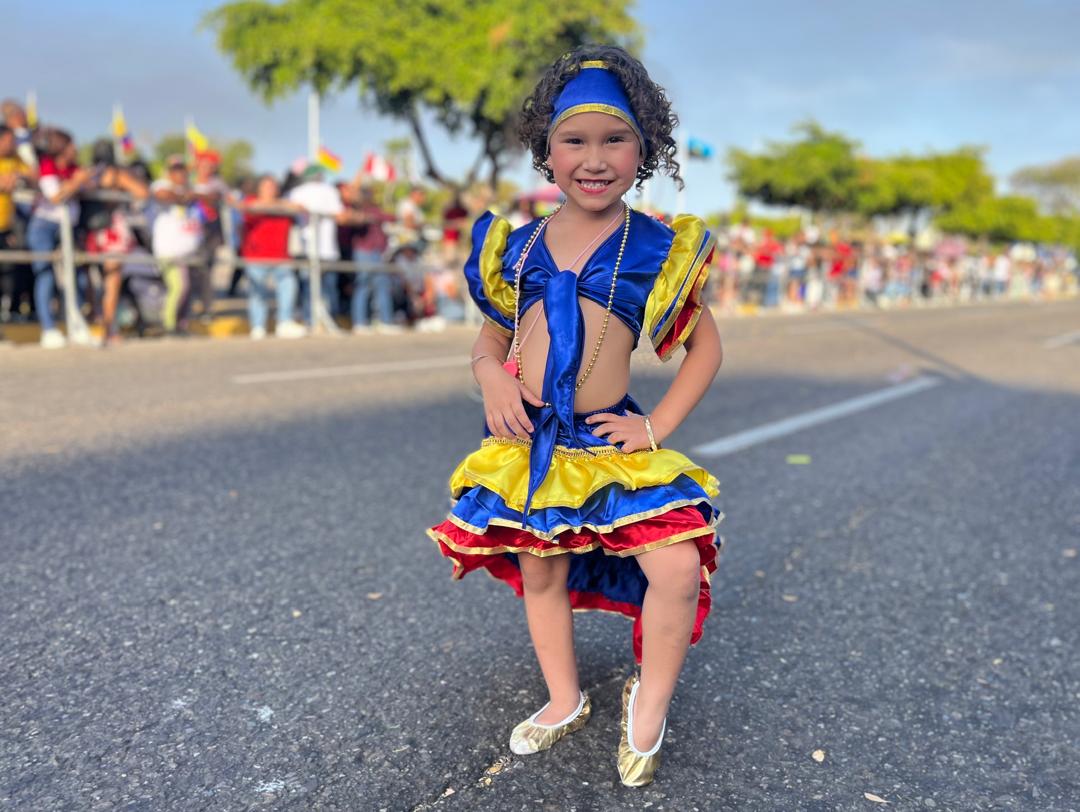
point(626, 431)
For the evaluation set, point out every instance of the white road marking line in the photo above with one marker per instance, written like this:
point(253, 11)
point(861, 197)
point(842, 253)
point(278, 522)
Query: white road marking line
point(807, 329)
point(790, 425)
point(353, 369)
point(1060, 341)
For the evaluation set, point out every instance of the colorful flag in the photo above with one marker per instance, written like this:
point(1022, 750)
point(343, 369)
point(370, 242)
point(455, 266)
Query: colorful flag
point(377, 167)
point(198, 141)
point(328, 160)
point(31, 109)
point(120, 132)
point(696, 148)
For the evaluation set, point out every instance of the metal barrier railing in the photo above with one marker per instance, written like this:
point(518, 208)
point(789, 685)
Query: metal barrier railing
point(68, 259)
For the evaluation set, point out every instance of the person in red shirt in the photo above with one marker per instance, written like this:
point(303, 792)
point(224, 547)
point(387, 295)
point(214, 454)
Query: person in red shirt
point(842, 270)
point(265, 249)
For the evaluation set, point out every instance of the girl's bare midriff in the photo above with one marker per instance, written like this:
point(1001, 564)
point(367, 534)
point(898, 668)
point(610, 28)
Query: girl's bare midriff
point(610, 376)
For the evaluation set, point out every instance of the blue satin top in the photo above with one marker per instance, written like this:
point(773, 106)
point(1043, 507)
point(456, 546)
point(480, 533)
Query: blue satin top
point(658, 290)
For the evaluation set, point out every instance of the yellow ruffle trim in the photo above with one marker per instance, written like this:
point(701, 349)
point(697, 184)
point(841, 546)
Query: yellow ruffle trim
point(502, 466)
point(499, 293)
point(683, 274)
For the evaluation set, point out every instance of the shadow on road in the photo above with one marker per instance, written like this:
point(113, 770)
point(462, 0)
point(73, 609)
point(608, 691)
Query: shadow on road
point(254, 618)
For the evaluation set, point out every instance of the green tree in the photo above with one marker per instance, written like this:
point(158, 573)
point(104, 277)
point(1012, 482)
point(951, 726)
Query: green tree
point(915, 186)
point(465, 64)
point(1056, 186)
point(1002, 219)
point(818, 171)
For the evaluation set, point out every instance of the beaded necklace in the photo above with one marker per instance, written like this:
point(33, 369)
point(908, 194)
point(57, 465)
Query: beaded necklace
point(514, 367)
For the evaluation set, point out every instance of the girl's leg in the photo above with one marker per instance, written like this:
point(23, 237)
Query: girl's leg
point(671, 600)
point(551, 627)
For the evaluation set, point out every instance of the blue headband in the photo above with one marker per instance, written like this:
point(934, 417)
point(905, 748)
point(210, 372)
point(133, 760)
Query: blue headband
point(595, 89)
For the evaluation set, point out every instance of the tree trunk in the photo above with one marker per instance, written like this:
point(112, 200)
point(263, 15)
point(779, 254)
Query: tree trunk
point(425, 152)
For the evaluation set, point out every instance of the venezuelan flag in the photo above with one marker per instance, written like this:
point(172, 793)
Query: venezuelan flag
point(120, 132)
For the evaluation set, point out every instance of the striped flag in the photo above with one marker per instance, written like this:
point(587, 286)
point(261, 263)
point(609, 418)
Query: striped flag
point(198, 141)
point(31, 109)
point(328, 160)
point(378, 168)
point(121, 136)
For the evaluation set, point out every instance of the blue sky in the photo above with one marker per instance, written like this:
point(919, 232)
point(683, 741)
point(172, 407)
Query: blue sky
point(898, 77)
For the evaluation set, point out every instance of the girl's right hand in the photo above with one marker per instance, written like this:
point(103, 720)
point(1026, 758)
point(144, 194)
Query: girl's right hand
point(503, 396)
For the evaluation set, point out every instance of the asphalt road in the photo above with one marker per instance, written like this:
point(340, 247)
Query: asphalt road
point(216, 592)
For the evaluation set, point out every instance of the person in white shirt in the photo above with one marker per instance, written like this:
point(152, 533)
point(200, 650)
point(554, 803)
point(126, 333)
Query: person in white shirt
point(410, 225)
point(176, 239)
point(322, 202)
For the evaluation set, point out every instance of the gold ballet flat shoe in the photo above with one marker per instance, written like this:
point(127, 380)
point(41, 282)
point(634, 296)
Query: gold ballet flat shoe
point(636, 769)
point(531, 737)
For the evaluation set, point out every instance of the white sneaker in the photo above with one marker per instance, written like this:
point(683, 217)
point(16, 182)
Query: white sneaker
point(389, 329)
point(431, 324)
point(257, 333)
point(362, 330)
point(53, 339)
point(290, 329)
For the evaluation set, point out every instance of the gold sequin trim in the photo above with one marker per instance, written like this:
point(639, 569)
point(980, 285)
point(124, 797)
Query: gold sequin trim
point(436, 535)
point(561, 450)
point(549, 535)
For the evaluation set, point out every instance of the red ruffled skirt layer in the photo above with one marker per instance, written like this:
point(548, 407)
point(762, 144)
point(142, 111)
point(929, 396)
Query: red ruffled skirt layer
point(603, 574)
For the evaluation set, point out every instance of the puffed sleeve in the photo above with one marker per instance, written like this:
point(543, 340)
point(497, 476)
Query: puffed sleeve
point(484, 272)
point(675, 303)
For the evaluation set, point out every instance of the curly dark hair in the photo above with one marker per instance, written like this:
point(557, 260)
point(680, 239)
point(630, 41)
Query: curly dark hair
point(648, 100)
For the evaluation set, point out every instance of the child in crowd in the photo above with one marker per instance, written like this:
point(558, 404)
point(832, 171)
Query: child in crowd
point(570, 499)
point(177, 237)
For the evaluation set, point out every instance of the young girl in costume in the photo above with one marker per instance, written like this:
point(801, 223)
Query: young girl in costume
point(571, 500)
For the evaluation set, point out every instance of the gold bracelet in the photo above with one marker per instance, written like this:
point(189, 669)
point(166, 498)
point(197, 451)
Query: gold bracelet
point(648, 429)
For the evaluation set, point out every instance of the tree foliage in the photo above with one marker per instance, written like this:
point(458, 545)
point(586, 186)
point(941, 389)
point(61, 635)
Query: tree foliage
point(1056, 186)
point(818, 171)
point(821, 171)
point(1002, 219)
point(468, 64)
point(915, 184)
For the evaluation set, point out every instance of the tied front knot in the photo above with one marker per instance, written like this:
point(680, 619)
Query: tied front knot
point(560, 377)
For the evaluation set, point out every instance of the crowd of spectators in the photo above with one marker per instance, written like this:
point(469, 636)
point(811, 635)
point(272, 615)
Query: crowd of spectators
point(164, 239)
point(812, 269)
point(168, 240)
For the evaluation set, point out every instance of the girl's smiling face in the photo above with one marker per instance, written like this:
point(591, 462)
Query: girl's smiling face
point(594, 158)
